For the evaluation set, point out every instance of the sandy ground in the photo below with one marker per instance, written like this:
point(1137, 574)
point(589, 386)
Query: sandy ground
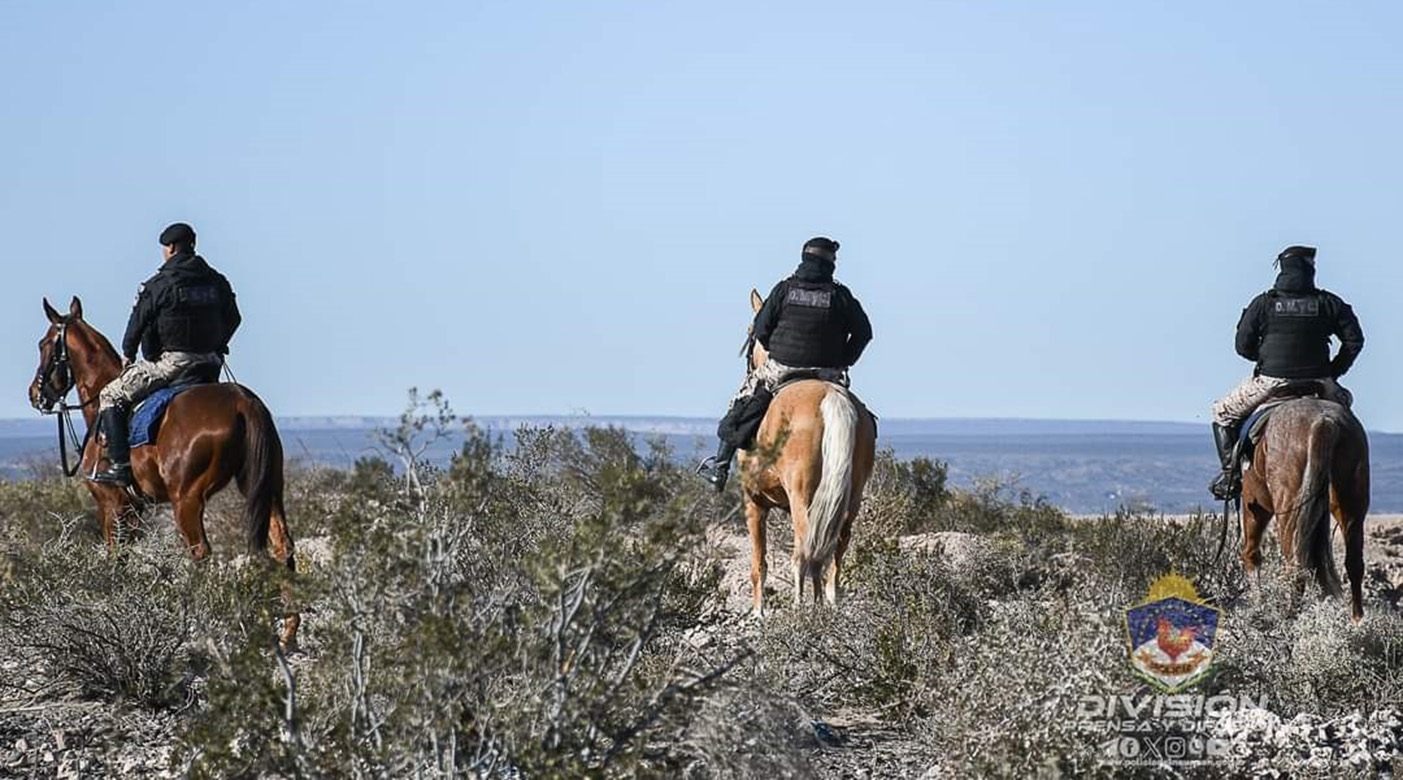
point(1383, 556)
point(1383, 552)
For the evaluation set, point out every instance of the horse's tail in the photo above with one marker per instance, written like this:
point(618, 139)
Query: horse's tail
point(830, 502)
point(1312, 537)
point(261, 477)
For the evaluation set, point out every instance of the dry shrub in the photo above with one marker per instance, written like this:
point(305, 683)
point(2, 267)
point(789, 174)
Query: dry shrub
point(904, 497)
point(1307, 657)
point(551, 610)
point(521, 612)
point(99, 625)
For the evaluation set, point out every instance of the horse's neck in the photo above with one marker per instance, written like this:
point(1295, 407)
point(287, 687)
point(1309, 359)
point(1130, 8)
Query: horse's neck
point(94, 365)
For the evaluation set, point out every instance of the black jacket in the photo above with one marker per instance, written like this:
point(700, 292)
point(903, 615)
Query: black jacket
point(186, 307)
point(811, 321)
point(1286, 330)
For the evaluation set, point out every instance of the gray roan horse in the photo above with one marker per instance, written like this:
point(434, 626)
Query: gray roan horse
point(1312, 461)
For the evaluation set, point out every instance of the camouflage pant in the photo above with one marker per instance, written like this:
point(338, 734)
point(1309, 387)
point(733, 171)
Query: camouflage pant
point(771, 375)
point(143, 378)
point(1244, 399)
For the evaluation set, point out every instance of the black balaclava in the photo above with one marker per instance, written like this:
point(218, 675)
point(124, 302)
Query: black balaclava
point(1297, 265)
point(818, 260)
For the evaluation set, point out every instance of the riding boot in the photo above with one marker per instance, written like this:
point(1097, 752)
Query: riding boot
point(717, 468)
point(1228, 484)
point(114, 424)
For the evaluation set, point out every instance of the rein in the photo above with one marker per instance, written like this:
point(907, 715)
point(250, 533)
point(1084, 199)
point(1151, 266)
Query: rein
point(747, 351)
point(65, 421)
point(1223, 531)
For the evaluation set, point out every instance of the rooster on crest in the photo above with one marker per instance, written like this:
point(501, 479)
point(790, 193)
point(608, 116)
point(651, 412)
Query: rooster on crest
point(1174, 640)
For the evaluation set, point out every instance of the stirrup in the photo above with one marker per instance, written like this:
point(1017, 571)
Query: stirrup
point(120, 475)
point(714, 472)
point(1226, 487)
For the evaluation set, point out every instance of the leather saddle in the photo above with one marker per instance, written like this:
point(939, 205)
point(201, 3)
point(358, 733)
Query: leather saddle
point(816, 374)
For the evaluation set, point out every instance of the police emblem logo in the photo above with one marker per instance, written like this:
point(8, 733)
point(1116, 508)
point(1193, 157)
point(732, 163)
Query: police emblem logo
point(818, 299)
point(1171, 635)
point(198, 296)
point(1298, 307)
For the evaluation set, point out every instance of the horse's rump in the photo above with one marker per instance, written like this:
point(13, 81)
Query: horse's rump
point(233, 417)
point(1313, 447)
point(818, 424)
point(831, 499)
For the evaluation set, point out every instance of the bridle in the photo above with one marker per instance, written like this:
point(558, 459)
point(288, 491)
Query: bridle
point(54, 400)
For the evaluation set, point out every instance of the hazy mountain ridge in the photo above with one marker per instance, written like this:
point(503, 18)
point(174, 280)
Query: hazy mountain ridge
point(1084, 466)
point(701, 426)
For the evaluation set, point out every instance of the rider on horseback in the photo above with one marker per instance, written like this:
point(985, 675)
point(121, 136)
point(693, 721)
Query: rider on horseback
point(183, 319)
point(1286, 331)
point(811, 326)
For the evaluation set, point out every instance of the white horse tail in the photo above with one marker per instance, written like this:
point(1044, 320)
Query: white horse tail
point(830, 503)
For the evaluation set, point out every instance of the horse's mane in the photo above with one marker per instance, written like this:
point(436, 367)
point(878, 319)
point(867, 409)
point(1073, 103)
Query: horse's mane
point(99, 341)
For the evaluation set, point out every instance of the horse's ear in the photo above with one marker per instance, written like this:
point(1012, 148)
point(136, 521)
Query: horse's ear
point(75, 308)
point(756, 301)
point(52, 313)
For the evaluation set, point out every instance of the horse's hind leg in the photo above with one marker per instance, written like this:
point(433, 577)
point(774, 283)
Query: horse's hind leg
point(1255, 520)
point(1351, 523)
point(755, 521)
point(836, 567)
point(799, 513)
point(280, 544)
point(1354, 564)
point(190, 520)
point(280, 547)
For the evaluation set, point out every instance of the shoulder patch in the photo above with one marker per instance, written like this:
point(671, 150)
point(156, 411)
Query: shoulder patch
point(816, 299)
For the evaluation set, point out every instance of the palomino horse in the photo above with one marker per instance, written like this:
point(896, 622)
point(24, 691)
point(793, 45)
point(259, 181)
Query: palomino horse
point(813, 456)
point(1313, 460)
point(211, 435)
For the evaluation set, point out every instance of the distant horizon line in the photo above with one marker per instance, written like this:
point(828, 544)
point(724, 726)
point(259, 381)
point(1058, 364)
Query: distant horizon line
point(31, 425)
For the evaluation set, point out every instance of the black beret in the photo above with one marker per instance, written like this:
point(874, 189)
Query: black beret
point(1303, 252)
point(179, 234)
point(821, 246)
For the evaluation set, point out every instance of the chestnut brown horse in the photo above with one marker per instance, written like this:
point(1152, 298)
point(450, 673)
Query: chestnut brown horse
point(1312, 461)
point(813, 456)
point(210, 435)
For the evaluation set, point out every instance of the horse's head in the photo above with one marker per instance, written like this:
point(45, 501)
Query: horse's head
point(54, 377)
point(758, 354)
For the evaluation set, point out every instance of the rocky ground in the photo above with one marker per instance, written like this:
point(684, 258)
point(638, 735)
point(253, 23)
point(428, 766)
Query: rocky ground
point(861, 744)
point(72, 739)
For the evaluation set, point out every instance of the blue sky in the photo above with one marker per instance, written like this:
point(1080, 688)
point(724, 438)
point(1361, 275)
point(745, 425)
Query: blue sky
point(1048, 209)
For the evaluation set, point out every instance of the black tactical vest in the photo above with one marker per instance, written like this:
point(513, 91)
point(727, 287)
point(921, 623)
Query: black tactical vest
point(813, 326)
point(1296, 340)
point(191, 316)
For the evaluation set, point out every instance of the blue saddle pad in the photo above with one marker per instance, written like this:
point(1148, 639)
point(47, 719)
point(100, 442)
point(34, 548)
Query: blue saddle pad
point(1255, 422)
point(146, 420)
